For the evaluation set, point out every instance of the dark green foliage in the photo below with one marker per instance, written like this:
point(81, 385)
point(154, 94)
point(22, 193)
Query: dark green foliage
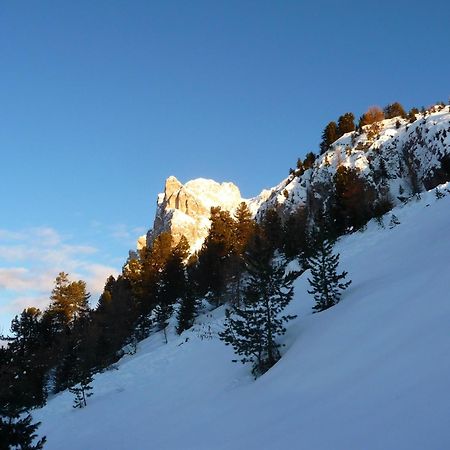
point(272, 229)
point(394, 110)
point(346, 124)
point(69, 301)
point(215, 257)
point(394, 221)
point(187, 311)
point(309, 161)
point(19, 433)
point(329, 135)
point(438, 194)
point(82, 391)
point(354, 200)
point(295, 241)
point(251, 328)
point(326, 284)
point(303, 166)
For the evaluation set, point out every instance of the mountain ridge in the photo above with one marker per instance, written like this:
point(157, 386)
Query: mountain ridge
point(396, 157)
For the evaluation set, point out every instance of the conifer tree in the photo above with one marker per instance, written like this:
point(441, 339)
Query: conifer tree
point(272, 229)
point(346, 123)
point(19, 433)
point(69, 301)
point(326, 284)
point(172, 284)
point(394, 110)
point(187, 310)
point(329, 135)
point(82, 390)
point(215, 257)
point(16, 428)
point(251, 328)
point(309, 160)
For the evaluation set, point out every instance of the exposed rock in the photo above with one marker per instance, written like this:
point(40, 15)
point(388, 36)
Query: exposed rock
point(185, 209)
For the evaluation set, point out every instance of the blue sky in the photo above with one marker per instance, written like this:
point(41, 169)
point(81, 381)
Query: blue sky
point(101, 101)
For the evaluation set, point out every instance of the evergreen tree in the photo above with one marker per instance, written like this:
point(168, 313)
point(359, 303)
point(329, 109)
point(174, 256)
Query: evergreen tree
point(272, 229)
point(394, 110)
point(187, 310)
point(252, 327)
point(215, 257)
point(69, 301)
point(353, 202)
point(329, 135)
point(325, 282)
point(19, 433)
point(172, 284)
point(295, 233)
point(309, 161)
point(82, 390)
point(16, 398)
point(346, 124)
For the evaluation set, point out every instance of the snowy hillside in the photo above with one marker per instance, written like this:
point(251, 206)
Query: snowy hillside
point(388, 154)
point(371, 373)
point(397, 158)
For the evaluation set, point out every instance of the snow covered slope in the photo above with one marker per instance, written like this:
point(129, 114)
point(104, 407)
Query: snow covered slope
point(392, 155)
point(371, 373)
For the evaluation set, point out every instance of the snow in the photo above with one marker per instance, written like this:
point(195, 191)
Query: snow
point(370, 373)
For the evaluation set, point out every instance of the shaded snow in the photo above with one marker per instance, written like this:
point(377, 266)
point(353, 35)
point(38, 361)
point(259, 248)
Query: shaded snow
point(371, 373)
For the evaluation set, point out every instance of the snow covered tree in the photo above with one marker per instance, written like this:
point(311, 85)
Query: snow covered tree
point(326, 284)
point(252, 327)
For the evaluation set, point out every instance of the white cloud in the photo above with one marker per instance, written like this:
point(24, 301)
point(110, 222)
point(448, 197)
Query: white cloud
point(30, 259)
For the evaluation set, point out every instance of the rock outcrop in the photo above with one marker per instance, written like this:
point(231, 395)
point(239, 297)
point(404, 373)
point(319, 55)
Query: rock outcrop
point(184, 209)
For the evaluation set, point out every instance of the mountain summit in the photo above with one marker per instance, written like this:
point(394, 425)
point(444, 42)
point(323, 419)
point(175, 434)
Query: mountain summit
point(184, 209)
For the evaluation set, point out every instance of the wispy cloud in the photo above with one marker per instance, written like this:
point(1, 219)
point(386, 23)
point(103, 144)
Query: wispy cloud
point(31, 258)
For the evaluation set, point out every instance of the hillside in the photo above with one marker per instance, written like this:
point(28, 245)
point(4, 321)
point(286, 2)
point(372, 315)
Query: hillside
point(370, 373)
point(395, 157)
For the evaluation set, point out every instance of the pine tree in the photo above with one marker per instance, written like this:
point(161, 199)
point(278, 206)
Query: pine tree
point(172, 284)
point(215, 257)
point(19, 433)
point(16, 428)
point(346, 124)
point(187, 311)
point(82, 390)
point(251, 329)
point(329, 135)
point(394, 110)
point(309, 160)
point(69, 301)
point(326, 284)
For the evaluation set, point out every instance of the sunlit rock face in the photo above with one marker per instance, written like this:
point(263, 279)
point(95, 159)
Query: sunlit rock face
point(184, 209)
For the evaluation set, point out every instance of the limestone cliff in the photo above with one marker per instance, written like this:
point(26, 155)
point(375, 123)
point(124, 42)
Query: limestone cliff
point(184, 209)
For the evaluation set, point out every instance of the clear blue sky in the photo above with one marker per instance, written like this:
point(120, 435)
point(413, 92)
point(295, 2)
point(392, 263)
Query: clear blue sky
point(100, 101)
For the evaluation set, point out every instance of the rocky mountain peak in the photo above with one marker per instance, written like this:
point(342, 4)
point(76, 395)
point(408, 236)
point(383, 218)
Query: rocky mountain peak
point(184, 209)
